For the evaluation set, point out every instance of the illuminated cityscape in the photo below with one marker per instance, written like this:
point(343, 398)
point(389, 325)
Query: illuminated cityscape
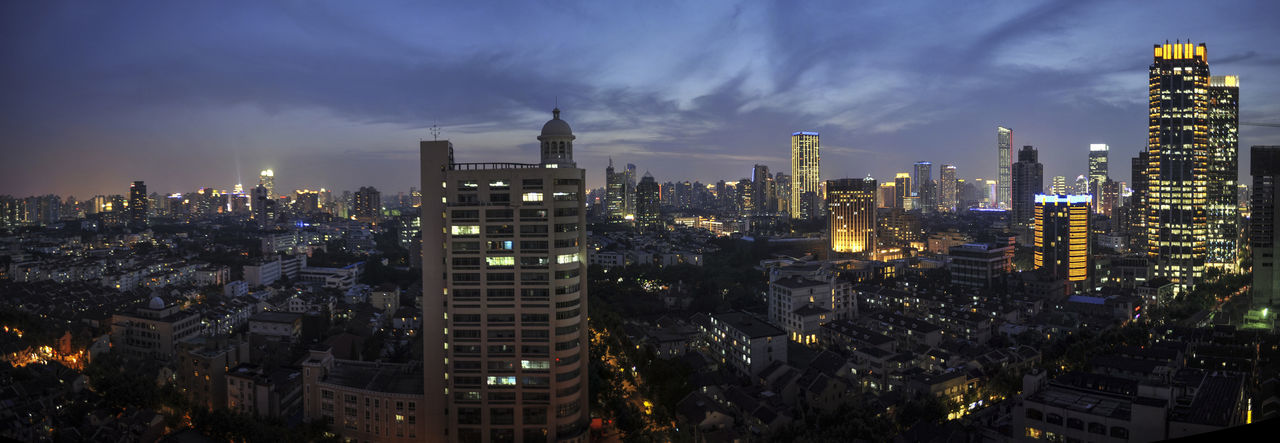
point(432, 253)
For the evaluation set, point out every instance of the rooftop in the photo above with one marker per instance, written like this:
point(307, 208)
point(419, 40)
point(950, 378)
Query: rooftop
point(377, 377)
point(748, 324)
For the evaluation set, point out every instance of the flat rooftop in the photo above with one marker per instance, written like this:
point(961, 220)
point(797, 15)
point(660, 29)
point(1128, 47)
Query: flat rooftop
point(748, 324)
point(377, 377)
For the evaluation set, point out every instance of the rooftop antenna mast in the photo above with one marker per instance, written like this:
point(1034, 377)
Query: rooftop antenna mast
point(435, 132)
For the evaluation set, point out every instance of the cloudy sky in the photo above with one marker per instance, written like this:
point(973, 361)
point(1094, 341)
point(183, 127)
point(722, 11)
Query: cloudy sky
point(337, 94)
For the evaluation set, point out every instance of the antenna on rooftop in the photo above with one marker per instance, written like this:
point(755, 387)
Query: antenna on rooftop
point(435, 132)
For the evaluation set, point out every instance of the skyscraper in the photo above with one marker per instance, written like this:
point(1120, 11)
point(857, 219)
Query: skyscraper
point(615, 194)
point(1137, 208)
point(1062, 244)
point(1097, 171)
point(1058, 186)
point(887, 198)
point(1221, 203)
point(922, 172)
point(267, 179)
point(264, 207)
point(138, 205)
point(804, 173)
point(1177, 152)
point(902, 189)
point(1264, 166)
point(762, 188)
point(1004, 168)
point(1028, 180)
point(515, 303)
point(851, 207)
point(648, 203)
point(367, 205)
point(947, 188)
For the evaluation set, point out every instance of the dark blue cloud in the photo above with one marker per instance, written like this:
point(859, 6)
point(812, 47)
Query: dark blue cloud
point(336, 94)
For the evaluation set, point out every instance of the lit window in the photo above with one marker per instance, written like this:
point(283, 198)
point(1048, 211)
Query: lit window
point(532, 196)
point(466, 230)
point(500, 261)
point(567, 258)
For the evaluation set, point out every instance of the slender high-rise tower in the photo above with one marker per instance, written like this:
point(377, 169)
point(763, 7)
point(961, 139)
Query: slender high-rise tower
point(267, 179)
point(762, 190)
point(138, 205)
point(1177, 152)
point(921, 173)
point(1028, 180)
point(1221, 198)
point(514, 304)
point(947, 188)
point(1097, 172)
point(1004, 168)
point(804, 174)
point(851, 207)
point(615, 194)
point(1264, 166)
point(901, 189)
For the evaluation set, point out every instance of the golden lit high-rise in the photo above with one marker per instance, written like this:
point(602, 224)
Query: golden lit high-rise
point(851, 208)
point(1177, 155)
point(804, 174)
point(1062, 243)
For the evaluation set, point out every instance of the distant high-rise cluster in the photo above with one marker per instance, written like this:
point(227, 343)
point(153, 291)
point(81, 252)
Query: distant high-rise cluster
point(805, 180)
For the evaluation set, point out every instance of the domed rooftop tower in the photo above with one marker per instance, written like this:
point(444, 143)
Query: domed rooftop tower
point(557, 142)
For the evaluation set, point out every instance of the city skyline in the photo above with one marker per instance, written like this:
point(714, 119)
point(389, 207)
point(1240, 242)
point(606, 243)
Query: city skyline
point(133, 87)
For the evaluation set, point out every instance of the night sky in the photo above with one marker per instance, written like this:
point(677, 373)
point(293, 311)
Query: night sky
point(337, 94)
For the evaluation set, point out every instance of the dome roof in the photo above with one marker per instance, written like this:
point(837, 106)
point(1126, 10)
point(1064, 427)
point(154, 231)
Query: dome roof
point(556, 126)
point(156, 303)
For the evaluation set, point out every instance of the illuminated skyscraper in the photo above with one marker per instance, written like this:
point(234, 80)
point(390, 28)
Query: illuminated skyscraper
point(947, 188)
point(1028, 180)
point(1221, 201)
point(615, 193)
point(804, 174)
point(513, 305)
point(1062, 243)
point(138, 205)
point(902, 189)
point(267, 179)
point(367, 205)
point(1004, 168)
point(851, 208)
point(1097, 170)
point(887, 198)
point(922, 172)
point(1059, 185)
point(1177, 153)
